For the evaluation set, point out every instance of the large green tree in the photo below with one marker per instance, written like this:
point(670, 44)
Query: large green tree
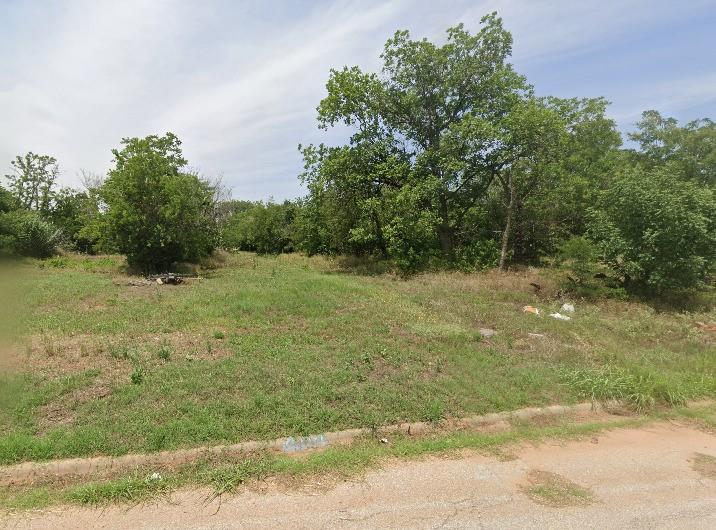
point(434, 133)
point(158, 214)
point(689, 150)
point(32, 181)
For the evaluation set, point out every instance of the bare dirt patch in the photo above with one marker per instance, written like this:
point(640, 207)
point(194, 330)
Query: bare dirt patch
point(550, 489)
point(62, 411)
point(112, 355)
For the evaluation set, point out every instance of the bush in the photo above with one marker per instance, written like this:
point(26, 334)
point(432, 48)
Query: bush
point(480, 255)
point(263, 228)
point(73, 212)
point(581, 272)
point(156, 214)
point(656, 232)
point(30, 235)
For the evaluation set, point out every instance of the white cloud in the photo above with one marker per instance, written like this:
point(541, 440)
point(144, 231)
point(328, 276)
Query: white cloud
point(239, 81)
point(669, 97)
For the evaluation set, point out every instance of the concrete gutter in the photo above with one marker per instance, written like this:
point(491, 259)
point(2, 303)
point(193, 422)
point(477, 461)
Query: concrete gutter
point(35, 472)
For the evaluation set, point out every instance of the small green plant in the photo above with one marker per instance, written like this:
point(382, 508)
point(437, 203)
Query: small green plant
point(165, 351)
point(137, 376)
point(58, 262)
point(118, 351)
point(435, 411)
point(218, 335)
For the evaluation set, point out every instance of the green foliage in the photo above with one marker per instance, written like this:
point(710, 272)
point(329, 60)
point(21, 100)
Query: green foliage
point(690, 150)
point(31, 235)
point(7, 201)
point(32, 180)
point(157, 214)
point(431, 135)
point(640, 388)
point(73, 212)
point(480, 255)
point(7, 233)
point(263, 228)
point(447, 134)
point(656, 231)
point(137, 376)
point(582, 274)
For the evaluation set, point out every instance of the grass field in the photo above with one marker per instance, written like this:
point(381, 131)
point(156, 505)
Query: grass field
point(263, 347)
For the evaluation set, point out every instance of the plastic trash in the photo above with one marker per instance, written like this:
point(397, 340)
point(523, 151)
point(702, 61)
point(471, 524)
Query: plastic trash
point(155, 476)
point(560, 316)
point(292, 445)
point(530, 309)
point(487, 332)
point(567, 308)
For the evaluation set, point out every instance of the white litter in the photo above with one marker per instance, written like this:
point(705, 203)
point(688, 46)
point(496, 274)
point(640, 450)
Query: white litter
point(559, 316)
point(155, 476)
point(567, 308)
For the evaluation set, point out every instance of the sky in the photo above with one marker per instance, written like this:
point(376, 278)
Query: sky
point(239, 80)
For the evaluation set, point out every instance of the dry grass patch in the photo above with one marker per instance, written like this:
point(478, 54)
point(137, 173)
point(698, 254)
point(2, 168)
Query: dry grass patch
point(51, 355)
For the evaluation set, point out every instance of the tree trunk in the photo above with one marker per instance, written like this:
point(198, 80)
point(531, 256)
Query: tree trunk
point(508, 223)
point(445, 231)
point(379, 234)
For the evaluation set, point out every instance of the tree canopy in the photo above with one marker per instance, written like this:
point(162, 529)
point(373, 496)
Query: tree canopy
point(157, 213)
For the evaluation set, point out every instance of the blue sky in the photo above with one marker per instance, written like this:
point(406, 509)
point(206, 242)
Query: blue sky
point(239, 81)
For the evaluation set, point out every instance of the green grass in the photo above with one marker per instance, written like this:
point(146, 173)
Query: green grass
point(227, 475)
point(221, 474)
point(265, 347)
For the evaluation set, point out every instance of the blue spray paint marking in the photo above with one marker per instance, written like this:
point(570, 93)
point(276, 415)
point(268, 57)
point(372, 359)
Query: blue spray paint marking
point(291, 445)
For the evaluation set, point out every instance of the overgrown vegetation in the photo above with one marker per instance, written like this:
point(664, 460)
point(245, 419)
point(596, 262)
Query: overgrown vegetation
point(274, 346)
point(453, 163)
point(362, 304)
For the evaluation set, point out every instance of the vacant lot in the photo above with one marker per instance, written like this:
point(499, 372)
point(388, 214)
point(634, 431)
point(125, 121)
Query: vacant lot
point(261, 347)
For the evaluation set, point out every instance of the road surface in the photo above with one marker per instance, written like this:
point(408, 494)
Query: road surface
point(651, 477)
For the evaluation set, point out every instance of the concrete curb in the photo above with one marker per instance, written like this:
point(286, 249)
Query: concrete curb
point(32, 472)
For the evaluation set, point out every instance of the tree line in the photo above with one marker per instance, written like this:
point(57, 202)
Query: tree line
point(453, 161)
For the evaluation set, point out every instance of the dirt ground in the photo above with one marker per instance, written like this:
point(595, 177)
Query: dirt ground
point(654, 477)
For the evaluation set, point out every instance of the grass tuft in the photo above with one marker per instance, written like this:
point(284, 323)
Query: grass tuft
point(641, 389)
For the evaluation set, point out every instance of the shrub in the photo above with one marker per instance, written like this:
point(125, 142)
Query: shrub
point(33, 237)
point(156, 214)
point(480, 255)
point(137, 376)
point(655, 231)
point(263, 228)
point(581, 272)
